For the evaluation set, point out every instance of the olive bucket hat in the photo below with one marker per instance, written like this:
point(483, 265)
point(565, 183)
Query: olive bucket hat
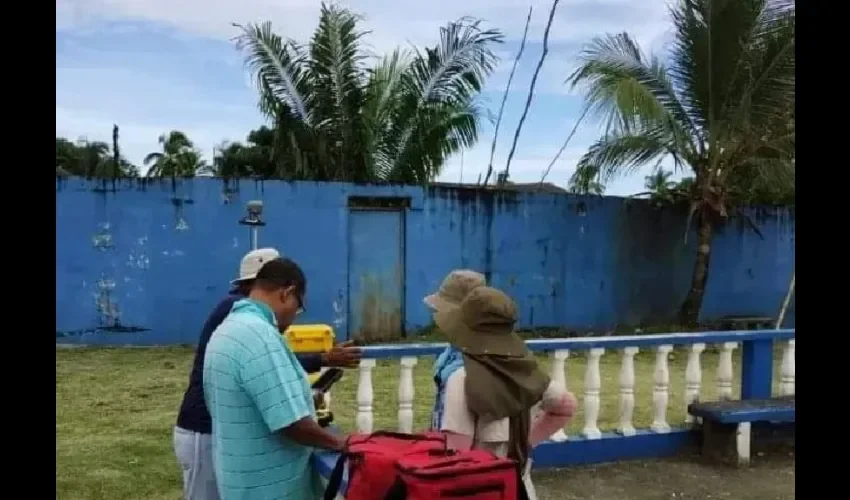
point(483, 324)
point(454, 288)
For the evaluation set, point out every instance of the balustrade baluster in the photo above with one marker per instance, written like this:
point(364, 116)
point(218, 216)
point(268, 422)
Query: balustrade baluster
point(592, 386)
point(788, 371)
point(627, 391)
point(661, 389)
point(365, 396)
point(725, 372)
point(406, 394)
point(693, 379)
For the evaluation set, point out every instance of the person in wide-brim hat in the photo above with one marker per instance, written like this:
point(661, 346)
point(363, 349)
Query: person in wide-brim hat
point(487, 399)
point(453, 289)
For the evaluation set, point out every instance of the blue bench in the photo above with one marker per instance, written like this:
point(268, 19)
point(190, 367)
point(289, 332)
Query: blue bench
point(727, 424)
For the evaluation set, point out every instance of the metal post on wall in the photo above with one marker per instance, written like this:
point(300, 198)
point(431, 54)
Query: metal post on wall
point(253, 221)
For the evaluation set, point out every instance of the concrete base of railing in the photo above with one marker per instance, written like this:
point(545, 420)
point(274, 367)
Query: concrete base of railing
point(610, 447)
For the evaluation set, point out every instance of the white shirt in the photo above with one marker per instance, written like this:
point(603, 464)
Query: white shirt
point(492, 435)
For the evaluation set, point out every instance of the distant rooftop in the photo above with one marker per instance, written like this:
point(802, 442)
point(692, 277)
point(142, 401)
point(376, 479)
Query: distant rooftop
point(525, 187)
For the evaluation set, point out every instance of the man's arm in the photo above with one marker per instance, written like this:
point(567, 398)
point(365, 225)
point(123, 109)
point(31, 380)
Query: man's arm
point(558, 407)
point(308, 433)
point(345, 355)
point(278, 392)
point(310, 362)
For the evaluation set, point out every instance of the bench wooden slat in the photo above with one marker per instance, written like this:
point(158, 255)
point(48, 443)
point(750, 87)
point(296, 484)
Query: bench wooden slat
point(781, 409)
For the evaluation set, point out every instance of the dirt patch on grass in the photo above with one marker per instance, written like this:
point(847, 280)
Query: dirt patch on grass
point(771, 477)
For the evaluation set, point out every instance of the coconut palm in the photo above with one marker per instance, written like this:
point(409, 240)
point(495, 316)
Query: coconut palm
point(232, 160)
point(178, 157)
point(720, 108)
point(91, 160)
point(336, 119)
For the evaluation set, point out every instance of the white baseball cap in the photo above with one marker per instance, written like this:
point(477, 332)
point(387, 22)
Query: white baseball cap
point(252, 262)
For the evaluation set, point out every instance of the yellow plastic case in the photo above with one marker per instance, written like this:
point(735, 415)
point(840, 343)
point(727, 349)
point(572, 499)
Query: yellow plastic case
point(310, 338)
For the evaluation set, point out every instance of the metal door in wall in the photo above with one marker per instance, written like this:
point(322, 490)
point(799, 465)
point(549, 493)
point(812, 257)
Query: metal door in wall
point(375, 273)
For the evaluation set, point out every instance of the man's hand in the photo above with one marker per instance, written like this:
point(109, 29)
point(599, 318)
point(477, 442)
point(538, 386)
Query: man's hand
point(345, 355)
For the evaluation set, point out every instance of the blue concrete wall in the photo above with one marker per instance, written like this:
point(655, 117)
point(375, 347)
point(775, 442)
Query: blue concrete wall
point(144, 264)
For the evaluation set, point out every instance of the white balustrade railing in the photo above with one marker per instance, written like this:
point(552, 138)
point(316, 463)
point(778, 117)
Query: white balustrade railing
point(693, 378)
point(788, 370)
point(661, 390)
point(725, 373)
point(365, 395)
point(595, 348)
point(406, 393)
point(592, 388)
point(627, 391)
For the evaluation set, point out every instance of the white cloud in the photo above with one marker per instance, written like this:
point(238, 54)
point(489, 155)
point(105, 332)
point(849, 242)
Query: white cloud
point(392, 21)
point(95, 91)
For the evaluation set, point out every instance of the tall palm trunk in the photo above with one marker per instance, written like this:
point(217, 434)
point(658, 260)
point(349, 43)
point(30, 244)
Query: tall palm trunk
point(689, 312)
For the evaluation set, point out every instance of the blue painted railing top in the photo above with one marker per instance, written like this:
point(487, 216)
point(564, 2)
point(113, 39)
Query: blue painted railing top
point(584, 343)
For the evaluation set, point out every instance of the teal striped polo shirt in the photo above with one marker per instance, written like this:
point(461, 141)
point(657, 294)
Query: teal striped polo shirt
point(254, 387)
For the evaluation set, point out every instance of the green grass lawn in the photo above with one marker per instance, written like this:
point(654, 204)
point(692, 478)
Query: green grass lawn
point(115, 409)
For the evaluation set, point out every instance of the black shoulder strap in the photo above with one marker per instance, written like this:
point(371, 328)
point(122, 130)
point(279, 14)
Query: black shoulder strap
point(335, 479)
point(522, 494)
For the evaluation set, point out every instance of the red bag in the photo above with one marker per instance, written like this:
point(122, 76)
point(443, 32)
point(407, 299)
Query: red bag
point(474, 474)
point(371, 460)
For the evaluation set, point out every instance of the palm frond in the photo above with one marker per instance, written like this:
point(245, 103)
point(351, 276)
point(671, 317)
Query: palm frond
point(277, 65)
point(385, 87)
point(455, 69)
point(621, 154)
point(450, 74)
point(629, 90)
point(585, 180)
point(712, 56)
point(151, 158)
point(337, 79)
point(335, 63)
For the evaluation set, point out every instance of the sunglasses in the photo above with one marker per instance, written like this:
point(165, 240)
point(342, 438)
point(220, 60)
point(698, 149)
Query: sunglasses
point(300, 299)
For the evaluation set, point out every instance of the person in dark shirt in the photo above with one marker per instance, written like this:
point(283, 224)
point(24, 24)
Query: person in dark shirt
point(192, 443)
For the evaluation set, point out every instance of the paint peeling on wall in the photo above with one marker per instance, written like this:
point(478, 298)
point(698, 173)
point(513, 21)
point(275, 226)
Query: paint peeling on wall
point(138, 257)
point(107, 308)
point(102, 238)
point(182, 224)
point(339, 311)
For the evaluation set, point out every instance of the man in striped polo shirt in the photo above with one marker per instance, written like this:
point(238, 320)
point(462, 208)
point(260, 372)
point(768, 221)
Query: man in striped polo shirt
point(263, 417)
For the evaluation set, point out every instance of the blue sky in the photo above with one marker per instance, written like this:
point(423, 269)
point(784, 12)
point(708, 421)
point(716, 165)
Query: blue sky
point(157, 65)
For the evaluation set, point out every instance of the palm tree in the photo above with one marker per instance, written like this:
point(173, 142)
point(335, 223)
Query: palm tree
point(94, 159)
point(91, 160)
point(335, 119)
point(232, 160)
point(659, 181)
point(719, 108)
point(67, 158)
point(585, 180)
point(178, 157)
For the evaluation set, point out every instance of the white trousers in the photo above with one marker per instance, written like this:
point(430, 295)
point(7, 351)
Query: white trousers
point(194, 454)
